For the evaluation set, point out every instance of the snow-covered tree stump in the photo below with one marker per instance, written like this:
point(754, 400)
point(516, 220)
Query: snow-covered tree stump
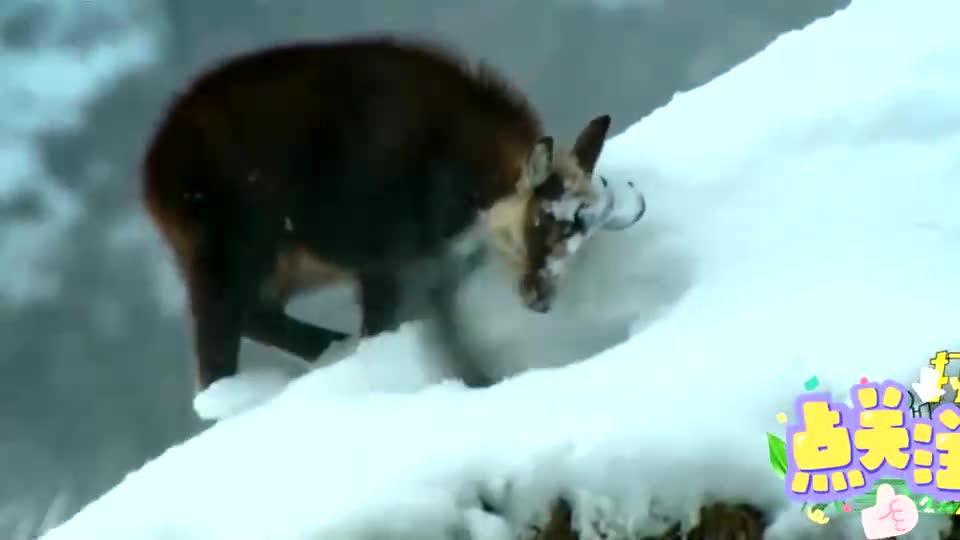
point(717, 522)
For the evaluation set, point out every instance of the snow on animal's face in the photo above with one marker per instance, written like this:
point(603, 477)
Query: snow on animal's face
point(559, 203)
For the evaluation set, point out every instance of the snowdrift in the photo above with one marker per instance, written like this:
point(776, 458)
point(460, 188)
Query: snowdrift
point(801, 222)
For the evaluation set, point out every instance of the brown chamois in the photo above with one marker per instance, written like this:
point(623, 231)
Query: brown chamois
point(289, 168)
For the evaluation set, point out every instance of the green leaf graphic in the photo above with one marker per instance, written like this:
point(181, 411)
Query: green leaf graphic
point(777, 449)
point(946, 507)
point(778, 454)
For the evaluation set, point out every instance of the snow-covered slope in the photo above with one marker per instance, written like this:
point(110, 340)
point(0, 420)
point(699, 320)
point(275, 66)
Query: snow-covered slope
point(802, 221)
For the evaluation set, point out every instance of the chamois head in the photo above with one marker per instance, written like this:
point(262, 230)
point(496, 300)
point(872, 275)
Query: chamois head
point(558, 204)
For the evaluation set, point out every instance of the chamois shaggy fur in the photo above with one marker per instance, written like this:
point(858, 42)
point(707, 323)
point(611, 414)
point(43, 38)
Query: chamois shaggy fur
point(371, 159)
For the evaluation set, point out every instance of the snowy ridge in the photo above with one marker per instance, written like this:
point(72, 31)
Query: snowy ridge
point(801, 222)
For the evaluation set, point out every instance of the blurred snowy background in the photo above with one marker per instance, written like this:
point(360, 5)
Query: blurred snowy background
point(94, 357)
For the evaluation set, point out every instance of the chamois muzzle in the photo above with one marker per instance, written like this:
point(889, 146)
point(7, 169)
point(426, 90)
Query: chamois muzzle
point(627, 206)
point(595, 216)
point(538, 291)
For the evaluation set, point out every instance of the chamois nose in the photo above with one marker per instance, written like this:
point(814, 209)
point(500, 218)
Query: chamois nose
point(539, 305)
point(629, 205)
point(537, 294)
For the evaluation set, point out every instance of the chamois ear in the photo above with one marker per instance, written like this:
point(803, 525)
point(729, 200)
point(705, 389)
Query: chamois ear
point(590, 142)
point(538, 163)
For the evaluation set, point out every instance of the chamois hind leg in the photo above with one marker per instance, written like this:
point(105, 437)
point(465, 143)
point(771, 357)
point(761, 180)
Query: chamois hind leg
point(379, 302)
point(269, 325)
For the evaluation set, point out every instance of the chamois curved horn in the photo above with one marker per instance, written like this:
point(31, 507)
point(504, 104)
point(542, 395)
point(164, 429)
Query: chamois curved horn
point(628, 208)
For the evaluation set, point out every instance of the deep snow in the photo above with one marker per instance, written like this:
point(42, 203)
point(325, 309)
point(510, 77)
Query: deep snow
point(801, 221)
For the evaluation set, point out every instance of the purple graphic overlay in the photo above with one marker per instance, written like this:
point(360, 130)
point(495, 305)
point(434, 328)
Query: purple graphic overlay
point(925, 458)
point(819, 448)
point(945, 447)
point(882, 427)
point(835, 452)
